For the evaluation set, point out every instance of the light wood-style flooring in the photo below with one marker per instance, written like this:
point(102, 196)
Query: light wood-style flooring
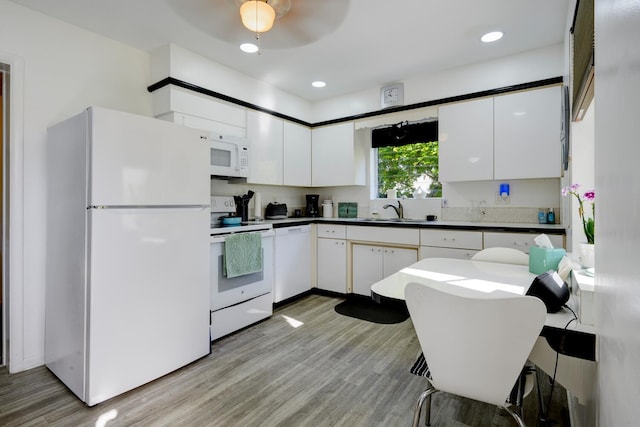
point(305, 366)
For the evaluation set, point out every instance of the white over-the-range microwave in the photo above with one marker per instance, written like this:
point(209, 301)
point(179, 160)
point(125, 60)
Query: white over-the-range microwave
point(229, 156)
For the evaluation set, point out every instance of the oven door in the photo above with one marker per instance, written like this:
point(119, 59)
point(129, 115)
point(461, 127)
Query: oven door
point(227, 292)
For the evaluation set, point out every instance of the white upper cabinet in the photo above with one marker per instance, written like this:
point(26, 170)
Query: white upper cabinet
point(466, 141)
point(265, 134)
point(297, 155)
point(337, 158)
point(527, 134)
point(513, 136)
point(199, 111)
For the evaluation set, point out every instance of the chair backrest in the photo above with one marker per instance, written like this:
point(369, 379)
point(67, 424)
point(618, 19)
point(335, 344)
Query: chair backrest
point(504, 255)
point(475, 344)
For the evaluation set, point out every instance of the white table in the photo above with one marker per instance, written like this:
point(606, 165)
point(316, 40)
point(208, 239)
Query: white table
point(471, 277)
point(576, 366)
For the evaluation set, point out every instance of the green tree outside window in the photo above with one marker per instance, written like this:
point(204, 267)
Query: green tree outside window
point(401, 167)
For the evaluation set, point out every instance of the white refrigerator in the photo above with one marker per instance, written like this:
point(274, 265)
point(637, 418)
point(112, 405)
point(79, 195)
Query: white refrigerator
point(127, 274)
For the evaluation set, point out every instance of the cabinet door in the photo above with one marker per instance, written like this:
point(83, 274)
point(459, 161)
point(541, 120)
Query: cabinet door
point(296, 155)
point(367, 268)
point(334, 156)
point(395, 259)
point(527, 134)
point(332, 265)
point(265, 137)
point(466, 141)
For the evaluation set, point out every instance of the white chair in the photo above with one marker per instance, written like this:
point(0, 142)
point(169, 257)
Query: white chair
point(504, 255)
point(475, 344)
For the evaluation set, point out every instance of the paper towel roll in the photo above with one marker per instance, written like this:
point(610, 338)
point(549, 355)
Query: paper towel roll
point(257, 203)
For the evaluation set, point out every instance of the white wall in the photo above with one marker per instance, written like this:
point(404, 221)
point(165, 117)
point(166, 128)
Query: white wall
point(65, 70)
point(529, 66)
point(617, 128)
point(175, 61)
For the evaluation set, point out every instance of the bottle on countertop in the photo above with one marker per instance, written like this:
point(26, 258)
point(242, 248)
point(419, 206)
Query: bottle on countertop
point(551, 217)
point(542, 217)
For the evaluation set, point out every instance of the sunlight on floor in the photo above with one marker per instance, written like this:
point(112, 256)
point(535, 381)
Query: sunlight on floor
point(292, 322)
point(106, 417)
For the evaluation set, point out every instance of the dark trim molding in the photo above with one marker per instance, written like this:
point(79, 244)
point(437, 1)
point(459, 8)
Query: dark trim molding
point(490, 92)
point(180, 83)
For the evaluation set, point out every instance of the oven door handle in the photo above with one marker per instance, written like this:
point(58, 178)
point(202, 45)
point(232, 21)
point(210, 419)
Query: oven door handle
point(217, 239)
point(220, 238)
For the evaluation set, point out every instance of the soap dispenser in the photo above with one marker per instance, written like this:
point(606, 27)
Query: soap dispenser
point(551, 217)
point(542, 216)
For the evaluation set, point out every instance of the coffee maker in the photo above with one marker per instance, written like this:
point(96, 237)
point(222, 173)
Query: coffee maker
point(313, 209)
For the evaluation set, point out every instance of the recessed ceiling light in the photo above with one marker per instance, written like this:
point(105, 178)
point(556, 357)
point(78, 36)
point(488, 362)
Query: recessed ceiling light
point(492, 36)
point(249, 47)
point(318, 83)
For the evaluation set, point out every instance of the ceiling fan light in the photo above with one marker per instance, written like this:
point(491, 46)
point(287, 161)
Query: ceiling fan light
point(257, 16)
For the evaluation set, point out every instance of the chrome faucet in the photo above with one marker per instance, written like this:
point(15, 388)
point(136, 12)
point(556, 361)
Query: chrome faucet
point(399, 210)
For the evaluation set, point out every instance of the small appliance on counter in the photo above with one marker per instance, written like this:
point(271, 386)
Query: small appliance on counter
point(276, 211)
point(313, 210)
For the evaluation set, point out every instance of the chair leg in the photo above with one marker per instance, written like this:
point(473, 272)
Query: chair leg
point(515, 415)
point(426, 395)
point(427, 413)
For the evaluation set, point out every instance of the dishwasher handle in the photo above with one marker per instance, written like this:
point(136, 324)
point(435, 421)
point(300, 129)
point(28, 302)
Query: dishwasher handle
point(286, 231)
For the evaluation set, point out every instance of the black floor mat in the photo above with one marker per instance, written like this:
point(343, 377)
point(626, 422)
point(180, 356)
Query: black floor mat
point(365, 308)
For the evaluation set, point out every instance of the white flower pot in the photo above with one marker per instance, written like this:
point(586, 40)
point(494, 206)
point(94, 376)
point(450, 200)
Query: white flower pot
point(587, 255)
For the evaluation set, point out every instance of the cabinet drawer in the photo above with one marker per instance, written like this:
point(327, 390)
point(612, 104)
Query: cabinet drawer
point(398, 236)
point(432, 252)
point(451, 239)
point(521, 241)
point(332, 231)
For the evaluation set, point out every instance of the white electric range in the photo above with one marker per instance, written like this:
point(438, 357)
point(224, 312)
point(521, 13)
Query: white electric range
point(239, 301)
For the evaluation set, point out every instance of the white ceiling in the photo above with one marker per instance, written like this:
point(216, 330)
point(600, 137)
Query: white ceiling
point(351, 44)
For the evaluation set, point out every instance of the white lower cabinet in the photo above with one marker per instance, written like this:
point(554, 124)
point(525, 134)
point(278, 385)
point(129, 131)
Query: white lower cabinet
point(332, 258)
point(373, 263)
point(449, 243)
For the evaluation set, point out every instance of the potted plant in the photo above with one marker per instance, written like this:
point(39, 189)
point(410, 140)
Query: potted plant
point(588, 222)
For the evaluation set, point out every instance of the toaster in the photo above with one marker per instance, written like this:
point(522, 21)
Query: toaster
point(275, 211)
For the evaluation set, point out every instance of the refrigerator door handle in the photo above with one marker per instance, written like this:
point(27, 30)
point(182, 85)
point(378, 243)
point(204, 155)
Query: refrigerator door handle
point(150, 207)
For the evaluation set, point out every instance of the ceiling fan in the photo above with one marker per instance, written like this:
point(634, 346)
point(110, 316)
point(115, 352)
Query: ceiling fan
point(297, 22)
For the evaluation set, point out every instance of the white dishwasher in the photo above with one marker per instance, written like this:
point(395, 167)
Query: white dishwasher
point(292, 261)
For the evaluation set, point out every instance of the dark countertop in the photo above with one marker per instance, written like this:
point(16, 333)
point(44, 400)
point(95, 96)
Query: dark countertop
point(423, 224)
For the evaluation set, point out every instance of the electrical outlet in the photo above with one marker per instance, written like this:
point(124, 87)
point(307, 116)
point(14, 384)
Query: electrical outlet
point(444, 203)
point(502, 200)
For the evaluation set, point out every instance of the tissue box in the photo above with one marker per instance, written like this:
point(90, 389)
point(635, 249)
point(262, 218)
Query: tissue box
point(542, 260)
